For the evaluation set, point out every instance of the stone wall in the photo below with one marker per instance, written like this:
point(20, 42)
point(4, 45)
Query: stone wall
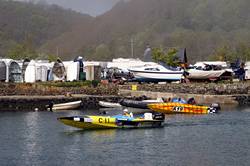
point(205, 93)
point(41, 90)
point(38, 103)
point(195, 88)
point(200, 99)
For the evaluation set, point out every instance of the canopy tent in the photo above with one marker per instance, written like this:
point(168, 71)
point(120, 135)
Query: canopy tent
point(24, 66)
point(15, 72)
point(11, 71)
point(30, 72)
point(72, 70)
point(41, 73)
point(3, 71)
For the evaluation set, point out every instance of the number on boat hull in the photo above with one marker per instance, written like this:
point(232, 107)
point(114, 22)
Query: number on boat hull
point(103, 120)
point(177, 109)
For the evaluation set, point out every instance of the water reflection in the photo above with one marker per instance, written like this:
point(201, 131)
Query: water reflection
point(95, 134)
point(31, 134)
point(245, 109)
point(37, 138)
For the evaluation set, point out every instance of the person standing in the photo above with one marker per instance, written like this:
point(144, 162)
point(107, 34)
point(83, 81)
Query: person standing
point(242, 72)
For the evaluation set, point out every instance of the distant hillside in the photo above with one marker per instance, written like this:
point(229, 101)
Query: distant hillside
point(39, 22)
point(200, 26)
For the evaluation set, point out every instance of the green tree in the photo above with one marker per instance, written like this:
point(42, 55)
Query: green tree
point(223, 53)
point(52, 58)
point(172, 59)
point(230, 53)
point(168, 57)
point(21, 51)
point(158, 54)
point(243, 52)
point(102, 52)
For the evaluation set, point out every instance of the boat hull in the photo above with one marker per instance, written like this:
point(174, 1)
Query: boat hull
point(67, 106)
point(102, 122)
point(138, 104)
point(157, 76)
point(210, 74)
point(109, 105)
point(170, 108)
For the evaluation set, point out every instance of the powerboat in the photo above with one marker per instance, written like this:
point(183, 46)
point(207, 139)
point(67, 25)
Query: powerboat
point(156, 73)
point(209, 71)
point(199, 74)
point(177, 107)
point(117, 121)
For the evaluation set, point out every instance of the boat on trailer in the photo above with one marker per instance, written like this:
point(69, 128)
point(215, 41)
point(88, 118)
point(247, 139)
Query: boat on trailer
point(115, 122)
point(209, 71)
point(156, 73)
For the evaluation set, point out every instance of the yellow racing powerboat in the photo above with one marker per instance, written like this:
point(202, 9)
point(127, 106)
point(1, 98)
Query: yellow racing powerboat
point(175, 107)
point(117, 121)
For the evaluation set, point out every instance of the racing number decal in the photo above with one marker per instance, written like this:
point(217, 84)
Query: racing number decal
point(103, 120)
point(177, 109)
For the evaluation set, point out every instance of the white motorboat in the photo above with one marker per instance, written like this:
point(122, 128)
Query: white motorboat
point(209, 71)
point(156, 73)
point(210, 74)
point(65, 106)
point(109, 104)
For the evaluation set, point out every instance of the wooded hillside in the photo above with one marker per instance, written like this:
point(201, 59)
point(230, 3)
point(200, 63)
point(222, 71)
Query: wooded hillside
point(38, 23)
point(209, 29)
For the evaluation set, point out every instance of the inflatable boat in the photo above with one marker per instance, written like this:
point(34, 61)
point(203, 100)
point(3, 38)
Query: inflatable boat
point(118, 121)
point(143, 104)
point(173, 107)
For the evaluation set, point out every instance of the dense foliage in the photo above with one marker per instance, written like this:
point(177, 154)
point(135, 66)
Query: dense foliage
point(168, 57)
point(39, 23)
point(209, 29)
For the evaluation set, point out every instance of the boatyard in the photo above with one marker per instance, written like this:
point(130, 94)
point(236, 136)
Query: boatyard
point(91, 97)
point(124, 82)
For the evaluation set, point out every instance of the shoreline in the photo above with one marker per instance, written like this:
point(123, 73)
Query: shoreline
point(38, 103)
point(201, 99)
point(34, 97)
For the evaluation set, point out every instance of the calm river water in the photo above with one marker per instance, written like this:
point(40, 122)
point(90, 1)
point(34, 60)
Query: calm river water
point(37, 138)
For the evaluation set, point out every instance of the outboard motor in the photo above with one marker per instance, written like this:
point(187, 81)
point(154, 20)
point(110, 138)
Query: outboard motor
point(214, 108)
point(50, 106)
point(159, 116)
